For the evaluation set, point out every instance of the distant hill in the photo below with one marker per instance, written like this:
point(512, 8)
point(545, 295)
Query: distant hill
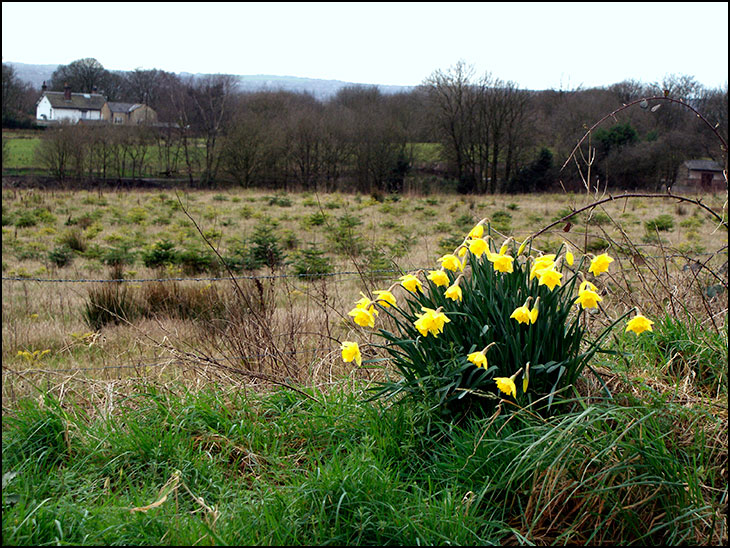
point(33, 74)
point(320, 89)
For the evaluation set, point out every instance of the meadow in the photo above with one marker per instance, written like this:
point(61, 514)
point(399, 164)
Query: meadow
point(172, 375)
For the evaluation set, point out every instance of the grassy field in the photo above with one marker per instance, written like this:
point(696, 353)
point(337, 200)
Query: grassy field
point(186, 423)
point(20, 156)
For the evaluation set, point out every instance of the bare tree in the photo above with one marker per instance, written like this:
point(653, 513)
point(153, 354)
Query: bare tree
point(211, 97)
point(454, 104)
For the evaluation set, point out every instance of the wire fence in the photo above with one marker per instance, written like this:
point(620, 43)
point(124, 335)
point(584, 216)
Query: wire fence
point(208, 279)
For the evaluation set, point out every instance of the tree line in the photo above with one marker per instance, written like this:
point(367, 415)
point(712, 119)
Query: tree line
point(492, 135)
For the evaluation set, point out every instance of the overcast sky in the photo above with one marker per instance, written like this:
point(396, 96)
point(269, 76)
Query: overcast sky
point(537, 45)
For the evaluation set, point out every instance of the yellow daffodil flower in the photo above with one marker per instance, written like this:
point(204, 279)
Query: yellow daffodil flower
point(523, 314)
point(384, 298)
point(569, 258)
point(478, 246)
point(366, 303)
point(350, 352)
point(454, 292)
point(503, 249)
point(550, 277)
point(431, 321)
point(362, 317)
point(461, 251)
point(638, 324)
point(526, 377)
point(411, 283)
point(600, 264)
point(587, 296)
point(503, 263)
point(533, 312)
point(476, 232)
point(478, 358)
point(522, 247)
point(506, 385)
point(439, 277)
point(541, 263)
point(451, 262)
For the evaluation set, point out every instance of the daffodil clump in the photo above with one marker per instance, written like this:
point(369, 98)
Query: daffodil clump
point(464, 335)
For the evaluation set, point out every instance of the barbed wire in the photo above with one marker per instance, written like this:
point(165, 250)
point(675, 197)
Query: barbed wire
point(206, 279)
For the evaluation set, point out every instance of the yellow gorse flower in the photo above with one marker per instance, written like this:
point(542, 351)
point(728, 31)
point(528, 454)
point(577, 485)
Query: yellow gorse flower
point(431, 321)
point(451, 262)
point(350, 352)
point(411, 283)
point(34, 356)
point(600, 264)
point(439, 277)
point(638, 324)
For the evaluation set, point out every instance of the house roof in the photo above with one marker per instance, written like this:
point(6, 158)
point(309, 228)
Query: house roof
point(123, 107)
point(79, 101)
point(703, 165)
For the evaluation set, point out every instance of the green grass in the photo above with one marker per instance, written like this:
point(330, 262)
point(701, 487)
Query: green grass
point(286, 469)
point(21, 153)
point(426, 153)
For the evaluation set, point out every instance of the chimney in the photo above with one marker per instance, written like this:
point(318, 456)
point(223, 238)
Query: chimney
point(67, 92)
point(44, 87)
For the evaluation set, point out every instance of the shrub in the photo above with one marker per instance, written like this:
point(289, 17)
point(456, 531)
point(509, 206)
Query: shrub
point(194, 261)
point(61, 256)
point(25, 219)
point(344, 238)
point(662, 223)
point(317, 218)
point(161, 254)
point(117, 256)
point(265, 248)
point(281, 201)
point(311, 264)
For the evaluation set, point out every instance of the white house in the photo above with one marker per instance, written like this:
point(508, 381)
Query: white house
point(59, 106)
